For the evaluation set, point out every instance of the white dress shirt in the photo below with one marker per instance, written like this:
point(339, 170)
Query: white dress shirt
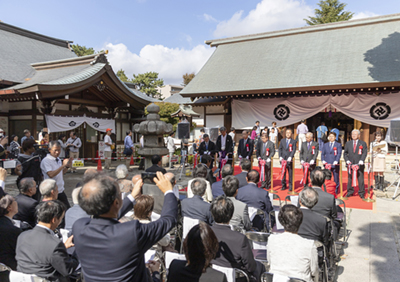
point(49, 163)
point(223, 142)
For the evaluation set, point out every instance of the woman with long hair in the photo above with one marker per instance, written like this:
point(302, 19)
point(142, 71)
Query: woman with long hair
point(200, 248)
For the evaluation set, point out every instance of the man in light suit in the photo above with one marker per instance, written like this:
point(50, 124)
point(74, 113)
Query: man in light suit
point(308, 154)
point(40, 252)
point(105, 251)
point(216, 187)
point(76, 212)
point(355, 152)
point(225, 146)
point(171, 147)
point(287, 149)
point(330, 155)
point(240, 215)
point(246, 146)
point(234, 247)
point(255, 197)
point(207, 147)
point(314, 226)
point(196, 207)
point(242, 177)
point(265, 151)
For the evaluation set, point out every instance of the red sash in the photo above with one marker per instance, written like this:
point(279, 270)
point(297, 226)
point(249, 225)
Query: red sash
point(313, 150)
point(360, 150)
point(354, 168)
point(283, 168)
point(262, 165)
point(306, 167)
point(290, 147)
point(328, 166)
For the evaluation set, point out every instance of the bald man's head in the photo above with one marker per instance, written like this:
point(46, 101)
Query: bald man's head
point(171, 177)
point(90, 171)
point(98, 194)
point(136, 178)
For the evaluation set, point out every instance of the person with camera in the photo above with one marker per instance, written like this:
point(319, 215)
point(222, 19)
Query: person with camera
point(128, 148)
point(73, 145)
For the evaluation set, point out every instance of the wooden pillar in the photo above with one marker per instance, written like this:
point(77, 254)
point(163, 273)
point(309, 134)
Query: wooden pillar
point(205, 113)
point(34, 119)
point(365, 133)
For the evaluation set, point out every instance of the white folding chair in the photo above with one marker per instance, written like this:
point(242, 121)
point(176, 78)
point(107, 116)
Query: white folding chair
point(188, 223)
point(252, 213)
point(170, 256)
point(16, 276)
point(230, 272)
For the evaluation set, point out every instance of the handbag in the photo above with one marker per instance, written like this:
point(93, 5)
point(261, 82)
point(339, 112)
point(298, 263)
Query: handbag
point(128, 151)
point(324, 138)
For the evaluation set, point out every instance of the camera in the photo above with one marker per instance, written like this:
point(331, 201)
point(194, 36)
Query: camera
point(148, 177)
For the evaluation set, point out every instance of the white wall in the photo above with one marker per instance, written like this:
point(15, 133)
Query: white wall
point(214, 120)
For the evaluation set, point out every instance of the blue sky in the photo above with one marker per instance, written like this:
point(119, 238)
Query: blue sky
point(161, 35)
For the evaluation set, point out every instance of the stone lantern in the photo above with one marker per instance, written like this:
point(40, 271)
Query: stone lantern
point(153, 130)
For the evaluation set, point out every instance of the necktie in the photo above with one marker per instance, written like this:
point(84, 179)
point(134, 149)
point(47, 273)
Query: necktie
point(57, 159)
point(331, 145)
point(207, 146)
point(354, 146)
point(308, 147)
point(287, 143)
point(265, 146)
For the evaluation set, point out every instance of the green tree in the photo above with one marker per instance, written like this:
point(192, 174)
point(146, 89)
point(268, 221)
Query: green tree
point(82, 50)
point(121, 74)
point(148, 83)
point(187, 77)
point(331, 11)
point(166, 110)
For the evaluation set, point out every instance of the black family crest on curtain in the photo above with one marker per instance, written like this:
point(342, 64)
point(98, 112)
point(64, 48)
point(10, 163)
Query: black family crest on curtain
point(281, 112)
point(72, 123)
point(96, 124)
point(380, 111)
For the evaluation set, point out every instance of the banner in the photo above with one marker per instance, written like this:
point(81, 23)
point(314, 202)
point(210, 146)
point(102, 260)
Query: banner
point(376, 110)
point(66, 123)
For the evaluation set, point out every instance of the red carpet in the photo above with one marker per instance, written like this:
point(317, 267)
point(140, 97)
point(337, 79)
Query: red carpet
point(353, 202)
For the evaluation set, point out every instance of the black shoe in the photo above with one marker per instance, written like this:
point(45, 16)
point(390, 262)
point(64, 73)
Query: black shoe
point(349, 195)
point(283, 188)
point(172, 166)
point(290, 189)
point(362, 197)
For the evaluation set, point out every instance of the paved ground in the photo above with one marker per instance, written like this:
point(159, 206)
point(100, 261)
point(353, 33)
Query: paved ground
point(372, 250)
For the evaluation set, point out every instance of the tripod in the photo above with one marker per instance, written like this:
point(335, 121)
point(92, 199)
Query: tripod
point(396, 170)
point(183, 162)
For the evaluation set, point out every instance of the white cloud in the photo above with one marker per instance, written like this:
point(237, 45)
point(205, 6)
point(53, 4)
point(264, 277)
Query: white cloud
point(170, 63)
point(362, 15)
point(269, 15)
point(209, 18)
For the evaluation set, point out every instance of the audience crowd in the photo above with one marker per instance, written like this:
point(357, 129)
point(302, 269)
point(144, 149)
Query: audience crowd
point(115, 221)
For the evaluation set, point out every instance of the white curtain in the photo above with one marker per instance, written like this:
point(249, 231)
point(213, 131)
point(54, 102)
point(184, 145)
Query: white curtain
point(371, 109)
point(66, 123)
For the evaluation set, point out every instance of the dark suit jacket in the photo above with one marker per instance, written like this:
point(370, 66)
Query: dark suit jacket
point(211, 148)
point(314, 226)
point(328, 154)
point(306, 154)
point(228, 145)
point(178, 271)
point(26, 209)
point(326, 204)
point(2, 193)
point(349, 154)
point(8, 242)
point(2, 153)
point(255, 197)
point(155, 168)
point(261, 153)
point(242, 148)
point(197, 208)
point(216, 188)
point(41, 253)
point(112, 251)
point(210, 177)
point(284, 150)
point(242, 178)
point(234, 249)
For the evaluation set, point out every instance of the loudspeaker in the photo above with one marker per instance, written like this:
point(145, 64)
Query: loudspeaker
point(394, 131)
point(183, 130)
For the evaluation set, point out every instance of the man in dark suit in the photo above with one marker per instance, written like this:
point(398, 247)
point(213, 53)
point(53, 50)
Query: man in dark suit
point(40, 252)
point(207, 160)
point(246, 146)
point(26, 204)
point(287, 149)
point(8, 235)
point(156, 161)
point(326, 204)
point(308, 154)
point(224, 146)
point(196, 207)
point(207, 147)
point(217, 186)
point(234, 248)
point(265, 151)
point(331, 156)
point(105, 251)
point(355, 152)
point(314, 226)
point(242, 177)
point(255, 197)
